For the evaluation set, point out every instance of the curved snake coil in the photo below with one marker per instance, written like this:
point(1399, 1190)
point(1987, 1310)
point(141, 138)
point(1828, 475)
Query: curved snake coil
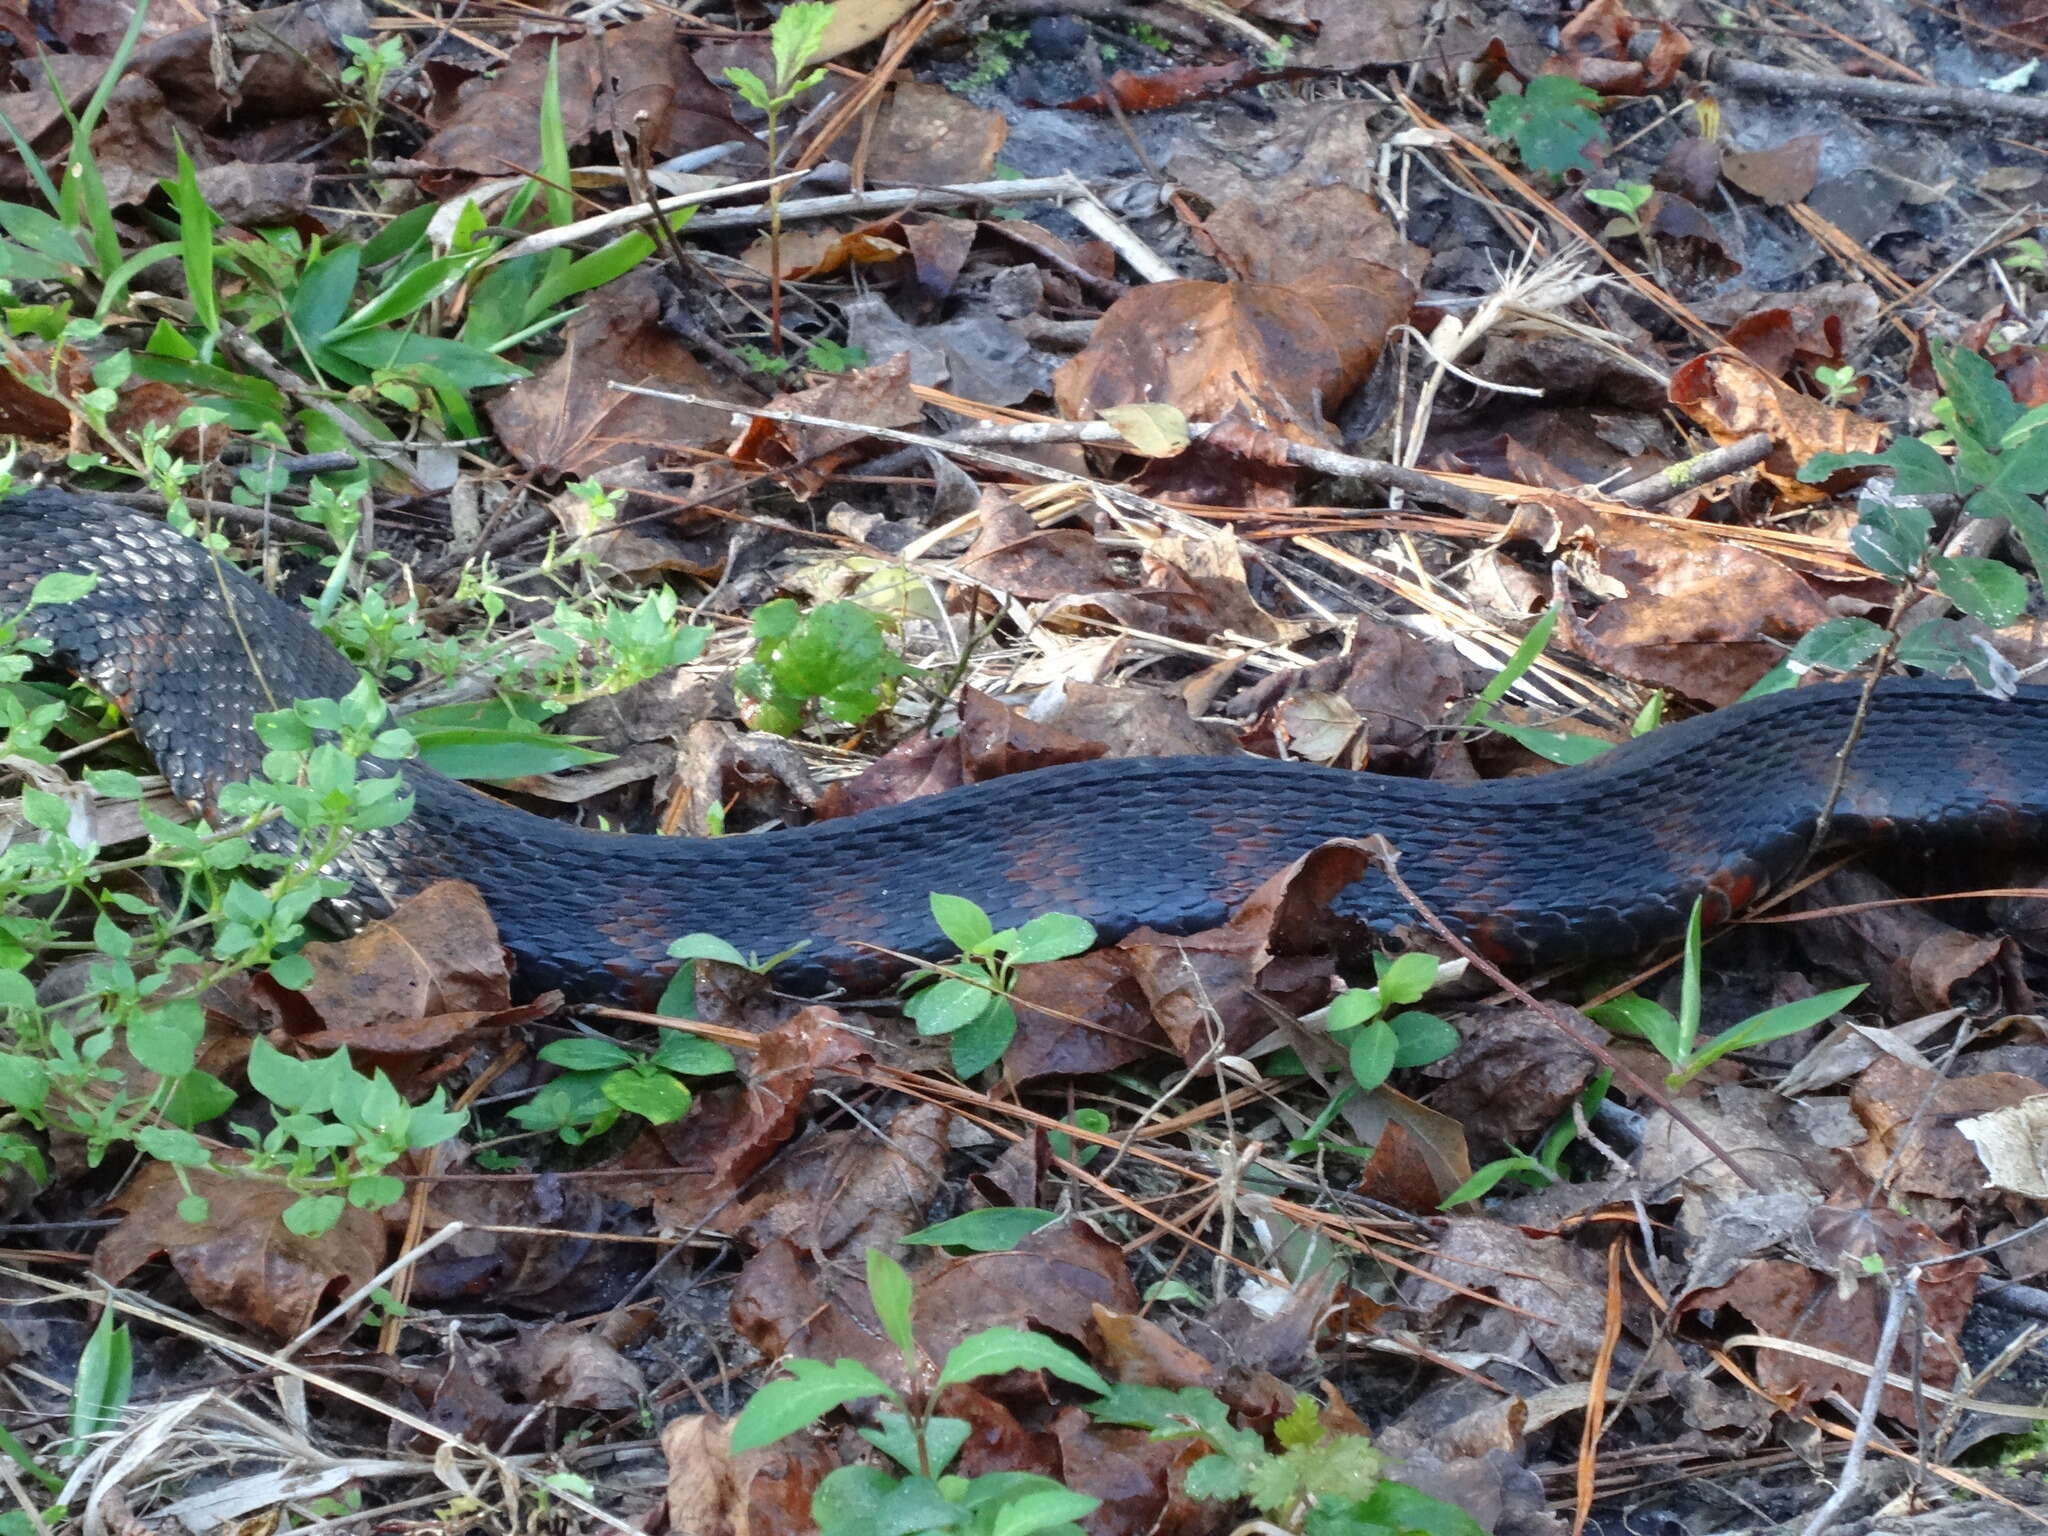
point(1591, 861)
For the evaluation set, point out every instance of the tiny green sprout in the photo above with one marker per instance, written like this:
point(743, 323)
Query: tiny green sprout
point(2026, 255)
point(797, 34)
point(828, 356)
point(1840, 383)
point(1627, 202)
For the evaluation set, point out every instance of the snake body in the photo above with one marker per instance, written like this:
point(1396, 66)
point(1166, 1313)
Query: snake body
point(1593, 861)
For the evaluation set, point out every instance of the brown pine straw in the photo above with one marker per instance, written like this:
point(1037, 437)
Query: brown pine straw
point(1722, 1358)
point(1596, 1389)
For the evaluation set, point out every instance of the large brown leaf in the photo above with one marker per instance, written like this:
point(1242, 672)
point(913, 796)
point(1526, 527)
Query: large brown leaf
point(1280, 356)
point(240, 1261)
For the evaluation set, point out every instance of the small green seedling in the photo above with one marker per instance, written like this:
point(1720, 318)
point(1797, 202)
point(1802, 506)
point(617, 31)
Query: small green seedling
point(835, 660)
point(1839, 384)
point(793, 38)
point(1627, 202)
point(604, 1079)
point(1677, 1039)
point(970, 1000)
point(1999, 468)
point(1541, 1168)
point(1321, 1481)
point(1552, 124)
point(1379, 1039)
point(923, 1496)
point(2026, 255)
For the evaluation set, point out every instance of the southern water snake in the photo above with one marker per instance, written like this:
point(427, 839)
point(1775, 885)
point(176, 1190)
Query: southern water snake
point(1590, 861)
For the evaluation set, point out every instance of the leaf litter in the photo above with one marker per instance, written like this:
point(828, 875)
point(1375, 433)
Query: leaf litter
point(1344, 353)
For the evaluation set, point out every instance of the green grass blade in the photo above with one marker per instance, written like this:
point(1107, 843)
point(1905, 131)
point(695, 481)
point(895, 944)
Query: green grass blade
point(195, 246)
point(1518, 664)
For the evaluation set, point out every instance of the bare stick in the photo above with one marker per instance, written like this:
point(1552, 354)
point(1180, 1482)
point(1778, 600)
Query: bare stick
point(1893, 95)
point(967, 443)
point(1866, 1416)
point(1690, 474)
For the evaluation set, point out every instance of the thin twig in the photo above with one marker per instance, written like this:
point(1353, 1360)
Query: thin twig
point(1690, 474)
point(1893, 95)
point(1866, 1417)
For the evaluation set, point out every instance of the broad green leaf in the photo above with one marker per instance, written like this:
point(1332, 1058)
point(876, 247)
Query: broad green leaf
point(1891, 537)
point(1775, 1024)
point(948, 1005)
point(962, 921)
point(654, 1096)
point(1410, 1511)
point(1042, 1511)
point(24, 1082)
point(323, 292)
point(1424, 1038)
point(105, 1379)
point(997, 1229)
point(784, 1407)
point(414, 290)
point(1373, 1050)
point(980, 1045)
point(474, 752)
point(993, 1351)
point(1984, 408)
point(583, 1054)
point(1566, 747)
point(1839, 645)
point(1483, 1179)
point(1519, 663)
point(1407, 978)
point(889, 1289)
point(453, 363)
point(1052, 936)
point(1989, 590)
point(686, 1054)
point(43, 235)
point(1631, 1014)
point(1552, 123)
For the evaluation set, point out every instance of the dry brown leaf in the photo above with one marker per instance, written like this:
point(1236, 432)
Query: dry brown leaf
point(856, 23)
point(240, 1261)
point(1912, 1114)
point(1512, 1076)
point(1216, 989)
point(844, 1192)
point(1079, 1016)
point(1784, 173)
point(430, 977)
point(731, 1133)
point(928, 136)
point(1838, 1307)
point(1548, 1278)
point(568, 420)
point(1052, 1279)
point(878, 396)
point(1012, 554)
point(1915, 961)
point(640, 77)
point(1701, 615)
point(1137, 1351)
point(1731, 397)
point(1279, 356)
point(2012, 1144)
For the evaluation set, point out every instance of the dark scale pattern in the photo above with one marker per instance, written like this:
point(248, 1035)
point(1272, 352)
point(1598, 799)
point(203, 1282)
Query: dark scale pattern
point(1592, 861)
